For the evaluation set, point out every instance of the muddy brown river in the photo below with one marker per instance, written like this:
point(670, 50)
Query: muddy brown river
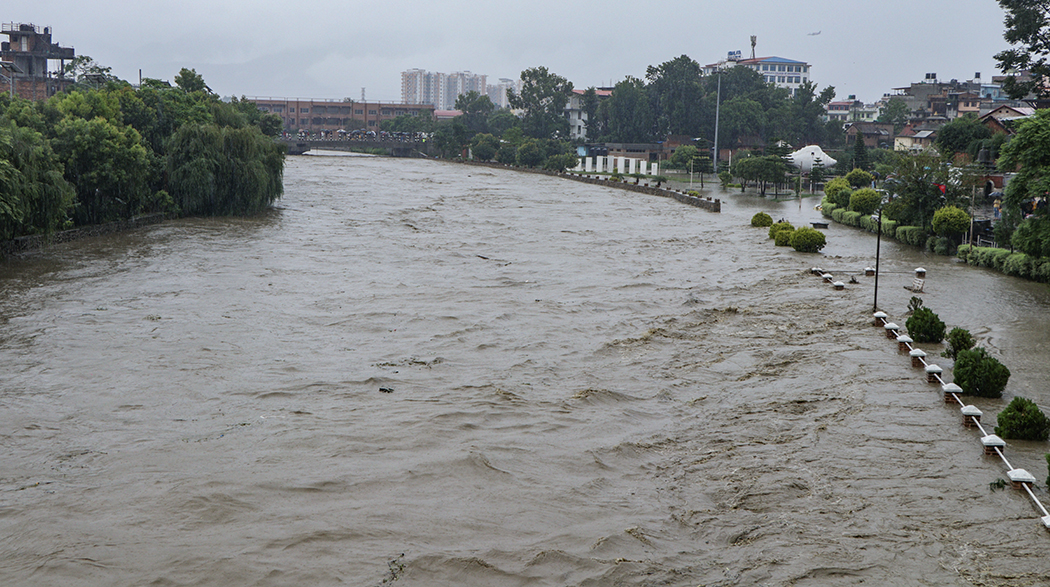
point(418, 373)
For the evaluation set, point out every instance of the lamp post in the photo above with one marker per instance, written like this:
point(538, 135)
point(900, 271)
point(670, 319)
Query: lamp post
point(718, 103)
point(878, 246)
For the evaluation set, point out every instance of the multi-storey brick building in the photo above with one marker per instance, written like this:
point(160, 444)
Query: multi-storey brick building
point(332, 115)
point(30, 49)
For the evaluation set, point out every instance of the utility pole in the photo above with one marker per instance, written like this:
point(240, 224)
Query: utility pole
point(718, 103)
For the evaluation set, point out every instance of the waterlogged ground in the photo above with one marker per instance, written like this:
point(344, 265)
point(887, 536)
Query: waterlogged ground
point(418, 373)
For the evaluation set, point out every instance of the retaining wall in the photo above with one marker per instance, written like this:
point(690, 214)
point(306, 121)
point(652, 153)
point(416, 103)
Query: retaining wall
point(24, 244)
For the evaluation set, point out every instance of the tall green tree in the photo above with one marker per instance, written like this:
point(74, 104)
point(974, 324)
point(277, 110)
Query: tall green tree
point(923, 184)
point(191, 81)
point(895, 112)
point(1028, 32)
point(476, 109)
point(589, 103)
point(958, 135)
point(109, 166)
point(860, 153)
point(1027, 154)
point(542, 102)
point(34, 195)
point(630, 116)
point(675, 91)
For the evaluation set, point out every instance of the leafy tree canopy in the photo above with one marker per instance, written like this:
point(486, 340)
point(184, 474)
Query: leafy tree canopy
point(191, 81)
point(1028, 32)
point(542, 101)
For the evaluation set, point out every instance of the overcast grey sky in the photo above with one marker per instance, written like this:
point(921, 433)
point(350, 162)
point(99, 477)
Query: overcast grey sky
point(331, 49)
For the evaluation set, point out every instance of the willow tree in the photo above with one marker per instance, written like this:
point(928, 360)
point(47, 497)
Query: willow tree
point(217, 170)
point(34, 197)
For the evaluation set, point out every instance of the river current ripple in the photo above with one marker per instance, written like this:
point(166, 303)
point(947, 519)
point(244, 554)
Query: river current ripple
point(420, 373)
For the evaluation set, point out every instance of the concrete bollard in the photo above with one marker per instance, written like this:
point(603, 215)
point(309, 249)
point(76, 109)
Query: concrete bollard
point(904, 343)
point(869, 271)
point(992, 442)
point(1019, 477)
point(880, 318)
point(891, 330)
point(949, 389)
point(827, 277)
point(917, 356)
point(839, 285)
point(971, 416)
point(920, 273)
point(933, 373)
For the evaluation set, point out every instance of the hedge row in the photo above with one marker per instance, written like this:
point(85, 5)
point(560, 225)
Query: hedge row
point(912, 235)
point(1016, 264)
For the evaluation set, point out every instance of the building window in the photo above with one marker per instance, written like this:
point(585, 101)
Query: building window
point(371, 123)
point(371, 111)
point(304, 110)
point(358, 111)
point(386, 112)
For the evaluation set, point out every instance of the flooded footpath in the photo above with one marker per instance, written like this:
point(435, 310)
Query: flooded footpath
point(418, 373)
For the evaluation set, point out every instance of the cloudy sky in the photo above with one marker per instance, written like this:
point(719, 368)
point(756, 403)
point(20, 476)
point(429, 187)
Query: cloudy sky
point(333, 49)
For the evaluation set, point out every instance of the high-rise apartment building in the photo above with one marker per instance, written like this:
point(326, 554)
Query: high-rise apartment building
point(439, 89)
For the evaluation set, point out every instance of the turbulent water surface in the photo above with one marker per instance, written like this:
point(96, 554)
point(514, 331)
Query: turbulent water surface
point(421, 373)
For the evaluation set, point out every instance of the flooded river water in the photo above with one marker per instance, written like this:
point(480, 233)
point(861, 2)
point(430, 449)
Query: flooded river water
point(419, 373)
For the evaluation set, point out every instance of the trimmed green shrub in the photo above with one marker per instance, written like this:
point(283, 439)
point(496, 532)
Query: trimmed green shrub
point(838, 191)
point(889, 228)
point(851, 218)
point(858, 178)
point(808, 240)
point(925, 326)
point(865, 201)
point(778, 226)
point(1023, 420)
point(1041, 270)
point(912, 235)
point(1048, 469)
point(837, 213)
point(963, 252)
point(761, 220)
point(959, 339)
point(979, 374)
point(950, 221)
point(783, 237)
point(997, 258)
point(1032, 236)
point(1018, 264)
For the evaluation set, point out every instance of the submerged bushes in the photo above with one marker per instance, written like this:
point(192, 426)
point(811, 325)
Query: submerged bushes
point(979, 374)
point(1023, 420)
point(925, 326)
point(808, 240)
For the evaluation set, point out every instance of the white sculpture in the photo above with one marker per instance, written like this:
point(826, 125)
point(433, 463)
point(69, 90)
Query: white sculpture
point(805, 157)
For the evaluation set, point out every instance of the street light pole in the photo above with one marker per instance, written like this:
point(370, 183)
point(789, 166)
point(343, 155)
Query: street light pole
point(878, 246)
point(718, 102)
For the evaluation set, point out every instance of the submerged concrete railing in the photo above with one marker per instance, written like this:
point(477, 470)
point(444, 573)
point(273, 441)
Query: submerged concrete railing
point(707, 203)
point(971, 415)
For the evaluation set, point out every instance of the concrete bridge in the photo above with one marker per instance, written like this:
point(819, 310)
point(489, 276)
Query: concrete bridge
point(396, 147)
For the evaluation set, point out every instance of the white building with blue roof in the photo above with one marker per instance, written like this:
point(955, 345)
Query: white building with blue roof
point(781, 72)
